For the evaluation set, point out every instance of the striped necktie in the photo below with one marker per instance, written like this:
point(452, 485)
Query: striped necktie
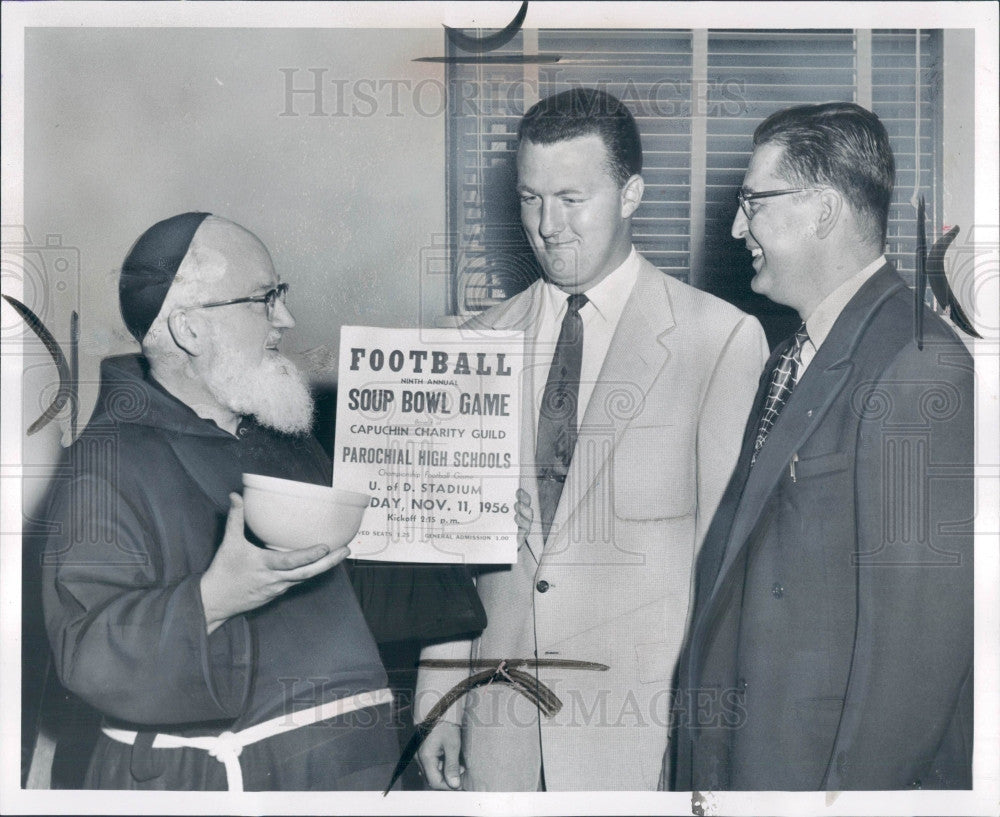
point(783, 380)
point(557, 430)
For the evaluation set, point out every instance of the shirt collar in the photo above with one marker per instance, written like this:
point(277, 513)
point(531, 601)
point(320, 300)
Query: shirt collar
point(821, 321)
point(609, 295)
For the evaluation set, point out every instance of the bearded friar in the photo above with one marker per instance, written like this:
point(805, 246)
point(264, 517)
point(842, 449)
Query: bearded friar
point(215, 663)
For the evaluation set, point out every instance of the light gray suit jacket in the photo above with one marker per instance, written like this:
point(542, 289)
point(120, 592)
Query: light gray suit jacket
point(656, 447)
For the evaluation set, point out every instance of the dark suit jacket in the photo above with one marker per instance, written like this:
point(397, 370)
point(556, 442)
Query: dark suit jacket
point(831, 643)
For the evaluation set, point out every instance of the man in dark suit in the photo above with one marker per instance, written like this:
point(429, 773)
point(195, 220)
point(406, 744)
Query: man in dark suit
point(830, 645)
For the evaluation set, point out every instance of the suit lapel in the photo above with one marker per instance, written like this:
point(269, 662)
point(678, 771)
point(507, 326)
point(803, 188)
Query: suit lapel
point(522, 313)
point(714, 548)
point(819, 389)
point(636, 356)
point(806, 408)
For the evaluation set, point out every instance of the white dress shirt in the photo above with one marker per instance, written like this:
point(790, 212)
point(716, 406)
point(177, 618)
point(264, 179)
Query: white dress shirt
point(824, 316)
point(605, 304)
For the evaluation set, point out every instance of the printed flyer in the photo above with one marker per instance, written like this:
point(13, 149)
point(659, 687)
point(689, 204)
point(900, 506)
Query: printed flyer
point(427, 424)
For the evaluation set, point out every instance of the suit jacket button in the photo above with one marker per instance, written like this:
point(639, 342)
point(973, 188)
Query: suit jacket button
point(542, 586)
point(777, 590)
point(741, 684)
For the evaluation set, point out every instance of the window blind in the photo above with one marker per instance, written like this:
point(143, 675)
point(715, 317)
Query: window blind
point(896, 86)
point(649, 71)
point(773, 70)
point(490, 258)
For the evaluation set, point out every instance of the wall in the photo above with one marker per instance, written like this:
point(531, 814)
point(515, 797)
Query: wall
point(126, 126)
point(959, 105)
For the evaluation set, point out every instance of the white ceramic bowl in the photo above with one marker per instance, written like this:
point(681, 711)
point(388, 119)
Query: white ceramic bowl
point(290, 515)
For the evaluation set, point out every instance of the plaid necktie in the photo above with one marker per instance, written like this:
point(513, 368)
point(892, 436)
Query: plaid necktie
point(557, 416)
point(783, 380)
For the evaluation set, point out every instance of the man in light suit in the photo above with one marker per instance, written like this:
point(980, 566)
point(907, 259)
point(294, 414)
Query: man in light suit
point(831, 640)
point(620, 485)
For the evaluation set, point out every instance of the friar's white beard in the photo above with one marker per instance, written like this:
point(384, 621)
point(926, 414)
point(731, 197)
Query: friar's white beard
point(275, 393)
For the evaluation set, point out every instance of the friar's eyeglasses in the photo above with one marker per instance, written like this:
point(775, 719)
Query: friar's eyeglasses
point(269, 299)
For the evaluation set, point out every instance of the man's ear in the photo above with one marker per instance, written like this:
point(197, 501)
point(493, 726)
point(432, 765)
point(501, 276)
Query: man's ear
point(187, 333)
point(632, 195)
point(831, 205)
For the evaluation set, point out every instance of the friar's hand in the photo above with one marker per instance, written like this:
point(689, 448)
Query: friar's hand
point(523, 516)
point(438, 757)
point(243, 577)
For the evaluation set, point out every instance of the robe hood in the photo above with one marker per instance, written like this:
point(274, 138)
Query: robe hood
point(129, 395)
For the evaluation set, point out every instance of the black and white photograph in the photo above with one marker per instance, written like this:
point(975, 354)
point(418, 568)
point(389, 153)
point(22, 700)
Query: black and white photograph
point(508, 408)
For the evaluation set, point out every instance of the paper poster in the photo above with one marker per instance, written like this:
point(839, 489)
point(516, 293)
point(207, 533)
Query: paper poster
point(427, 423)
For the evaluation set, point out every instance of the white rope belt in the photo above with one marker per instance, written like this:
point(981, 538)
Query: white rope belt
point(226, 748)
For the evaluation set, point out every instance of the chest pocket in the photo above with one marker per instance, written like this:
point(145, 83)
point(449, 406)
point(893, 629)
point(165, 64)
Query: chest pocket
point(807, 467)
point(654, 472)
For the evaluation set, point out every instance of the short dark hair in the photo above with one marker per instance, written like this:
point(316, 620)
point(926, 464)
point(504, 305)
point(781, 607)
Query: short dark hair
point(583, 112)
point(839, 144)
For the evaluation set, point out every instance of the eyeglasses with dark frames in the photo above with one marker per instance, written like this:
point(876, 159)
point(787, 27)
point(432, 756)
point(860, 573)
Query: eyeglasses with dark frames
point(269, 299)
point(745, 199)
